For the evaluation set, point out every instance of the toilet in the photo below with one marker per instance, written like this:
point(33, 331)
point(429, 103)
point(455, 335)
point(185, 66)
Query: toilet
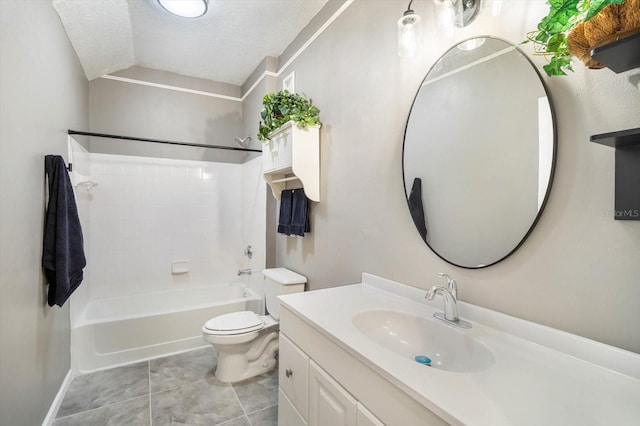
point(247, 343)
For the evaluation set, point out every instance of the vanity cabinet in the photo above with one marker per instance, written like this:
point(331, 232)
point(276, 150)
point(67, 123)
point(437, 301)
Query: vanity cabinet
point(293, 376)
point(329, 403)
point(292, 154)
point(321, 384)
point(309, 396)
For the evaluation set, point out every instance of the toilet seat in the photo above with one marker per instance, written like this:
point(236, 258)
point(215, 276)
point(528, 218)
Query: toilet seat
point(234, 323)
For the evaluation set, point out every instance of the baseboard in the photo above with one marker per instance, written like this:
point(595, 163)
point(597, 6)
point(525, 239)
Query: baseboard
point(55, 405)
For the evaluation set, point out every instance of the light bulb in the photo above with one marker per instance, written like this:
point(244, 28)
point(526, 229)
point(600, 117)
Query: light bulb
point(408, 34)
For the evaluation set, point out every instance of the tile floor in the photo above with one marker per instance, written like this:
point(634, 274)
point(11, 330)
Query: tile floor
point(175, 390)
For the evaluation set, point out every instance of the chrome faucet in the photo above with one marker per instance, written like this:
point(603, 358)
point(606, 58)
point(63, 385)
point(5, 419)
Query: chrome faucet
point(450, 297)
point(244, 271)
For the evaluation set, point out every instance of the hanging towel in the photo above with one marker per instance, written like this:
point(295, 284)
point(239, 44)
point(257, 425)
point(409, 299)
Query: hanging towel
point(62, 251)
point(416, 208)
point(284, 221)
point(300, 213)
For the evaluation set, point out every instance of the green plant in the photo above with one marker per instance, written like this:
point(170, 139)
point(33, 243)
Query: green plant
point(550, 39)
point(282, 107)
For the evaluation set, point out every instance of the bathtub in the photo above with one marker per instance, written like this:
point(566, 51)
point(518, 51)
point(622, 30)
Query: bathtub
point(123, 330)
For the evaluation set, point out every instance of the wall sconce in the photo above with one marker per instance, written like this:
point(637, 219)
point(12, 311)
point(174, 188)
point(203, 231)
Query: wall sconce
point(409, 33)
point(458, 13)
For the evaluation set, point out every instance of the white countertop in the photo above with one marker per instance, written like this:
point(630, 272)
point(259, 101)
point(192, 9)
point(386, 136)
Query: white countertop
point(540, 376)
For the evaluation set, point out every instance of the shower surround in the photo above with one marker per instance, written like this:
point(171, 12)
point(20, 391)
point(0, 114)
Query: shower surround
point(145, 214)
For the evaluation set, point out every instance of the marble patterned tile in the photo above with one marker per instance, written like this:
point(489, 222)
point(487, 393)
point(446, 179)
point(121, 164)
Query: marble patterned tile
point(258, 392)
point(204, 403)
point(238, 421)
point(134, 412)
point(265, 417)
point(94, 390)
point(181, 369)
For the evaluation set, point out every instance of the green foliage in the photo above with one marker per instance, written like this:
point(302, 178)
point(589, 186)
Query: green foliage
point(550, 39)
point(282, 107)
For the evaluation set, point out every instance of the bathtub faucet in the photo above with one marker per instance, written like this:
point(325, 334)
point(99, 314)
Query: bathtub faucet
point(244, 271)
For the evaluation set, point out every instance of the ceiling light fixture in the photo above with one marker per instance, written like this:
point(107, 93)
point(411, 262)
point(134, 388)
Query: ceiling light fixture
point(185, 8)
point(408, 33)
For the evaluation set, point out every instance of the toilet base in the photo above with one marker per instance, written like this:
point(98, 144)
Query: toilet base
point(237, 362)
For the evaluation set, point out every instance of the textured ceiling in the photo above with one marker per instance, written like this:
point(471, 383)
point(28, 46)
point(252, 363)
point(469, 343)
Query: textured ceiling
point(225, 45)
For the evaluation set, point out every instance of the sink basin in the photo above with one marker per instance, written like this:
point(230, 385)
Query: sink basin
point(409, 336)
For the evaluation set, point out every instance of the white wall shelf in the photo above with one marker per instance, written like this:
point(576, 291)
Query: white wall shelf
point(291, 156)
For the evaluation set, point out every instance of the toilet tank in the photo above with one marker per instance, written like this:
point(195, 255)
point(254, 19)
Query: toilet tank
point(279, 281)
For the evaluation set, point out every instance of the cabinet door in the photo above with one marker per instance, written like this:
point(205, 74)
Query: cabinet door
point(277, 152)
point(293, 374)
point(287, 414)
point(329, 403)
point(366, 418)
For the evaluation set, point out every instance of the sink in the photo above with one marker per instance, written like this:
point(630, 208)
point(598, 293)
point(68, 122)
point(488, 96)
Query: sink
point(409, 336)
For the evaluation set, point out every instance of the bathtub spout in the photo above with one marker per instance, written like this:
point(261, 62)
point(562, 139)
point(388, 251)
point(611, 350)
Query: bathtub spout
point(244, 271)
point(256, 351)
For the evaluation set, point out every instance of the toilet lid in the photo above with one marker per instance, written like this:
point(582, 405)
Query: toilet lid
point(234, 323)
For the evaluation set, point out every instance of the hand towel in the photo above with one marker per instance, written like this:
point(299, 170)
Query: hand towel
point(416, 208)
point(284, 221)
point(62, 252)
point(300, 213)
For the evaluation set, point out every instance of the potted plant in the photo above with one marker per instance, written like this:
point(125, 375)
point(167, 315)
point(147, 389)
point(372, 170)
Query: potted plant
point(282, 107)
point(575, 27)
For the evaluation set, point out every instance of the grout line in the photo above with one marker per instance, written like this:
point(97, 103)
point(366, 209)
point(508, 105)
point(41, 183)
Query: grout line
point(226, 422)
point(239, 402)
point(178, 386)
point(102, 406)
point(262, 409)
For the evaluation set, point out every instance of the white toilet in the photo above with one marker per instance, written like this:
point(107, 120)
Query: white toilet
point(247, 343)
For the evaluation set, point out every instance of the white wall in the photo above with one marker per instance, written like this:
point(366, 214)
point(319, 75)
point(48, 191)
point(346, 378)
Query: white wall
point(578, 271)
point(197, 204)
point(80, 158)
point(148, 212)
point(43, 92)
point(254, 202)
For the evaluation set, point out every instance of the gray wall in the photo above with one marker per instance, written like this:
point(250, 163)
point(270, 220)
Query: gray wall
point(122, 108)
point(43, 92)
point(579, 271)
point(251, 108)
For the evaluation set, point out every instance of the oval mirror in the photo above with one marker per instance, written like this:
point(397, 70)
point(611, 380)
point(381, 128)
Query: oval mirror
point(479, 152)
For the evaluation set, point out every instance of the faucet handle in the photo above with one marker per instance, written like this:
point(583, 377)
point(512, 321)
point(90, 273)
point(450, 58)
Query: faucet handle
point(452, 286)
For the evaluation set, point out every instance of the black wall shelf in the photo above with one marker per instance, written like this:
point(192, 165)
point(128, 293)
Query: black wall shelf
point(620, 139)
point(627, 173)
point(620, 55)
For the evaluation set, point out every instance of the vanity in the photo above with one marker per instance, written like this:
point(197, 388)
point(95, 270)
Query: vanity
point(347, 358)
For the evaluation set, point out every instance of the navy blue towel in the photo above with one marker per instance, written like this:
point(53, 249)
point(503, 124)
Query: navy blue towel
point(284, 221)
point(294, 212)
point(416, 208)
point(300, 213)
point(62, 249)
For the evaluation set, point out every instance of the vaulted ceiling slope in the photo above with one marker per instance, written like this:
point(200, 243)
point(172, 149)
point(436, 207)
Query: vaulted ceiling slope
point(225, 45)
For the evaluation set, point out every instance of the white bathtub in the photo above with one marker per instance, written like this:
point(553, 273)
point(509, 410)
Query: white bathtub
point(122, 330)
